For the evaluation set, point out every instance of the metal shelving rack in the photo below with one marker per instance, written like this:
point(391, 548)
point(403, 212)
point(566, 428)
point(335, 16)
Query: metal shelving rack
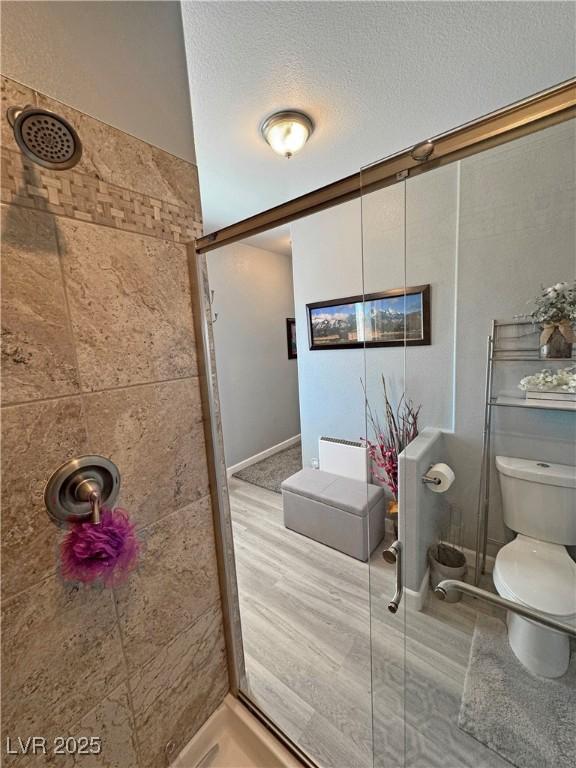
point(509, 342)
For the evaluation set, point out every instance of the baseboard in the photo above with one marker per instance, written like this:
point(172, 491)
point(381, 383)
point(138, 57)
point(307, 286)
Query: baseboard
point(415, 600)
point(262, 455)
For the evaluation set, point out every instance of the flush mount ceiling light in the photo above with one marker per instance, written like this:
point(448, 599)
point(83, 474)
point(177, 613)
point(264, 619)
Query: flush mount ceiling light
point(287, 132)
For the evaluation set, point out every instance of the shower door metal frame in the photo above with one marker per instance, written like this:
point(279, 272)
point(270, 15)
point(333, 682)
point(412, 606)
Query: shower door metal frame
point(533, 114)
point(213, 436)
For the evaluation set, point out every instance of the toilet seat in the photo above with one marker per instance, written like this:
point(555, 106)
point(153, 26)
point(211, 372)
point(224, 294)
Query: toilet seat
point(538, 574)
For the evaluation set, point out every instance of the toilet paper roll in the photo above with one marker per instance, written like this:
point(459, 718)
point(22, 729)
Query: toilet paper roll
point(444, 474)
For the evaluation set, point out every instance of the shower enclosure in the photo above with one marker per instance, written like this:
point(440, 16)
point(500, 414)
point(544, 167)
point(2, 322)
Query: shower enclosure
point(486, 233)
point(362, 663)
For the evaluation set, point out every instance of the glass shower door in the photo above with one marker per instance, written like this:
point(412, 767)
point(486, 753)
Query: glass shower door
point(300, 564)
point(384, 382)
point(481, 237)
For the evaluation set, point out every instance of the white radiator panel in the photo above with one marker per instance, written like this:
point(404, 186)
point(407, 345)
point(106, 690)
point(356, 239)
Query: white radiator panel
point(344, 458)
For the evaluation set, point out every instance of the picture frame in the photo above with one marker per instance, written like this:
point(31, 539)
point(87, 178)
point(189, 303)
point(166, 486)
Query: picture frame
point(374, 320)
point(291, 338)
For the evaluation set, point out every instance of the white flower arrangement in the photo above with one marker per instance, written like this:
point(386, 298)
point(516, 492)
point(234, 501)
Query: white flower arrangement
point(561, 380)
point(555, 304)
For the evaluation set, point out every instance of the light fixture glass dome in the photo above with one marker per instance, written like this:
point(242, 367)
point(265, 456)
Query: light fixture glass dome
point(287, 132)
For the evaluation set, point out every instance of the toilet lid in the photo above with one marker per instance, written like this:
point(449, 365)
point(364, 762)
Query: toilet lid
point(537, 574)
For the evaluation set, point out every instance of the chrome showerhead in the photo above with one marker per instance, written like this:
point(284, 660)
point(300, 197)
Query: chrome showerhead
point(44, 137)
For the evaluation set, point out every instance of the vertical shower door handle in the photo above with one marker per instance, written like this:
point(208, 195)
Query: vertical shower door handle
point(394, 555)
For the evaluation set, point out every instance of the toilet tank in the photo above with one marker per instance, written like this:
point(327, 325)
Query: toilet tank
point(539, 499)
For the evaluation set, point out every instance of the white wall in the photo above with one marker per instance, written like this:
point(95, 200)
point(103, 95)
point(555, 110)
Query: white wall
point(485, 233)
point(253, 296)
point(423, 515)
point(327, 264)
point(121, 62)
point(360, 246)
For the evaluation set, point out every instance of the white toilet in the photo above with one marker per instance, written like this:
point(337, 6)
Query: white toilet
point(539, 504)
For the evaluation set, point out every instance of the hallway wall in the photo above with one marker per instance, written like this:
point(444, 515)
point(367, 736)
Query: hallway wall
point(258, 384)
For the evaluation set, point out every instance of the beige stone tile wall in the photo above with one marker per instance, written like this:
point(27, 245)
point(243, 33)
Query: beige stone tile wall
point(99, 356)
point(120, 181)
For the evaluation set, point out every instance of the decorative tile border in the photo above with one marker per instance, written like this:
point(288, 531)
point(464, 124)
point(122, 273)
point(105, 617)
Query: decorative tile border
point(82, 197)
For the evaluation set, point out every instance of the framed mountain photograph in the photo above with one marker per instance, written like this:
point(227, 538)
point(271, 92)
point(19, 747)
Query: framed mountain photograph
point(388, 319)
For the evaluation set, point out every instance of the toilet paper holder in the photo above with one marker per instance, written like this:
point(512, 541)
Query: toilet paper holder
point(431, 480)
point(439, 477)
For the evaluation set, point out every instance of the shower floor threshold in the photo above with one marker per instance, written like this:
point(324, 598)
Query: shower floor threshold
point(233, 738)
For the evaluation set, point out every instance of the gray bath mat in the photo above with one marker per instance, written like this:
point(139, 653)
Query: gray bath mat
point(528, 720)
point(270, 473)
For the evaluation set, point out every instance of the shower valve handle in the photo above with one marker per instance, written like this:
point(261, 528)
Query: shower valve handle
point(90, 490)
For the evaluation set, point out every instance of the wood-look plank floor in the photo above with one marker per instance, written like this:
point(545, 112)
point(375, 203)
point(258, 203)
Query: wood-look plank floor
point(318, 639)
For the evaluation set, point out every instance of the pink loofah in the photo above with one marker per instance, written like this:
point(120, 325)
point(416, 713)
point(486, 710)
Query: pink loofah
point(107, 551)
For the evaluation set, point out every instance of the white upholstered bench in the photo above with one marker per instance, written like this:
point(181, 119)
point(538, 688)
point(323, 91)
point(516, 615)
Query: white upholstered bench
point(336, 511)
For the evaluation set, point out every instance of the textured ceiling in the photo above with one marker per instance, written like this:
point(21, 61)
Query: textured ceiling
point(375, 77)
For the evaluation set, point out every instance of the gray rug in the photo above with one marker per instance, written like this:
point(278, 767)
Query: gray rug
point(528, 720)
point(270, 473)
